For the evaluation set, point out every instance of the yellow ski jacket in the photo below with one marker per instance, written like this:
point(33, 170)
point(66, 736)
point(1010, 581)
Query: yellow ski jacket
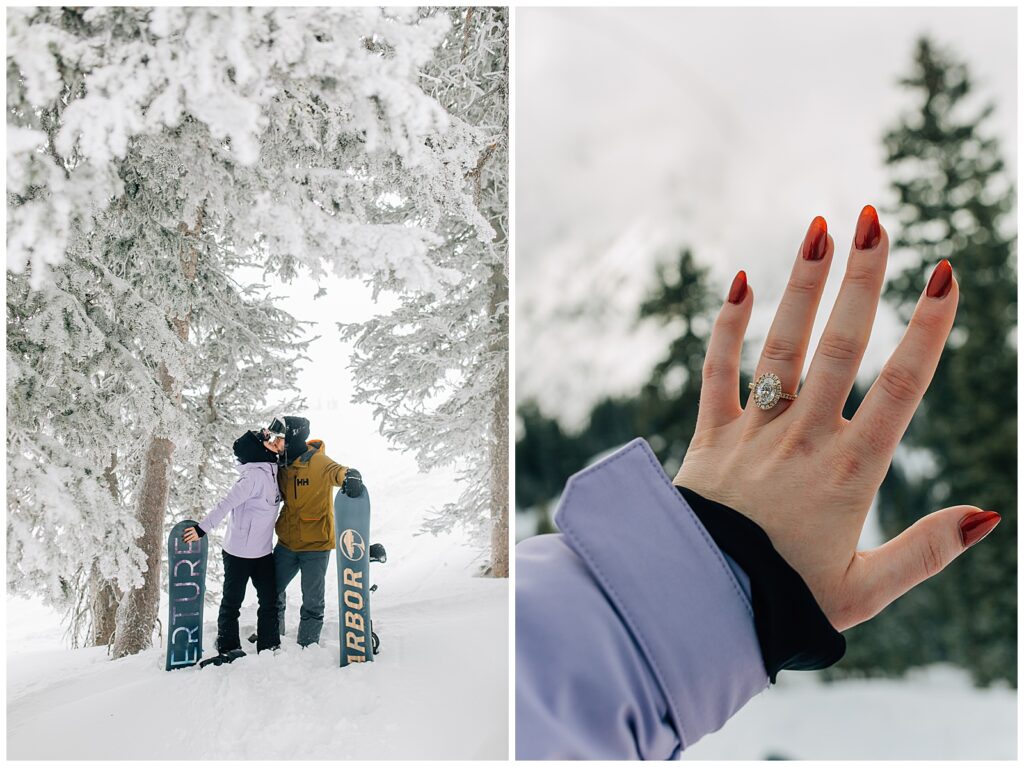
point(307, 519)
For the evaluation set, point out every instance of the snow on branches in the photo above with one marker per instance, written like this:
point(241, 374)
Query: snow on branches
point(436, 368)
point(306, 116)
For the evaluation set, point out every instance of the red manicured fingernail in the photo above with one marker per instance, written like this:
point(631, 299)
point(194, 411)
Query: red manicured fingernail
point(869, 232)
point(941, 280)
point(977, 525)
point(816, 240)
point(738, 291)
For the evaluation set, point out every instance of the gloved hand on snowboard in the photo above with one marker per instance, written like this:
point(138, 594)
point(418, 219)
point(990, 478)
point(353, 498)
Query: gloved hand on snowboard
point(352, 486)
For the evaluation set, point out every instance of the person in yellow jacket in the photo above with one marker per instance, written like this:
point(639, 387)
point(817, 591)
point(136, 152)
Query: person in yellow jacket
point(305, 528)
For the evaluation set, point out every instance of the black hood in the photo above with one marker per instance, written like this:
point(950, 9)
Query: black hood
point(249, 449)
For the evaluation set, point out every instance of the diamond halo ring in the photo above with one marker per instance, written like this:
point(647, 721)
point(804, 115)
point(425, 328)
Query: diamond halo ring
point(768, 391)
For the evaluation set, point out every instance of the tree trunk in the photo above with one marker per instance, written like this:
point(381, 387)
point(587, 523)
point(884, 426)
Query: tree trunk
point(136, 615)
point(499, 485)
point(104, 594)
point(104, 603)
point(137, 612)
point(499, 452)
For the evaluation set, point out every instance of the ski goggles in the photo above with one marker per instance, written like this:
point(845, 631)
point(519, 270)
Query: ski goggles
point(271, 436)
point(277, 426)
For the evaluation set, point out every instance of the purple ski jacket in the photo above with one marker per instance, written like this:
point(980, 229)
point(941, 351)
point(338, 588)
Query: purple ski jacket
point(635, 634)
point(253, 504)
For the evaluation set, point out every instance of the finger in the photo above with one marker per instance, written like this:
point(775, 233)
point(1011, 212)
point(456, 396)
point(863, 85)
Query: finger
point(785, 347)
point(916, 554)
point(719, 389)
point(883, 416)
point(841, 347)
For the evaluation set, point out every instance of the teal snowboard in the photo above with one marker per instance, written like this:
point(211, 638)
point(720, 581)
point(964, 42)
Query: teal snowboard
point(186, 587)
point(352, 535)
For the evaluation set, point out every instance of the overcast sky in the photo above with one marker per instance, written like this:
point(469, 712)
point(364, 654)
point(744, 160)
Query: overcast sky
point(638, 130)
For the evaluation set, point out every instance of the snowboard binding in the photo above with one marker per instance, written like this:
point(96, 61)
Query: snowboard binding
point(377, 554)
point(221, 658)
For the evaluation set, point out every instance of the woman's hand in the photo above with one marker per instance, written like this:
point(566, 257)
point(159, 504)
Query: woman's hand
point(800, 470)
point(190, 535)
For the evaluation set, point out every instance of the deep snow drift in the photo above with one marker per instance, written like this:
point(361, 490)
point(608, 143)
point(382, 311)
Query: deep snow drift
point(438, 690)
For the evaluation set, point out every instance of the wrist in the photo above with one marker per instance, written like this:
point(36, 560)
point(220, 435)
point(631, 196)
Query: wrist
point(793, 629)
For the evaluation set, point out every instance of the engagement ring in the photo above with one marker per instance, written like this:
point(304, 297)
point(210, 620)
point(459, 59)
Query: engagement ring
point(768, 391)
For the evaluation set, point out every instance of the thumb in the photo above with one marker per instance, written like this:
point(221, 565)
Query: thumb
point(922, 550)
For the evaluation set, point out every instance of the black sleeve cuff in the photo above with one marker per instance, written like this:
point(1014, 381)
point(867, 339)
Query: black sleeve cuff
point(791, 628)
point(200, 531)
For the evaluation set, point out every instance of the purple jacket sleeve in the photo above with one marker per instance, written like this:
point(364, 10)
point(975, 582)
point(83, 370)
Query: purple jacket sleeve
point(242, 491)
point(634, 633)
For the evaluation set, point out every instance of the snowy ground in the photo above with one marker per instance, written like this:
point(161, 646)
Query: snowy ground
point(438, 690)
point(933, 714)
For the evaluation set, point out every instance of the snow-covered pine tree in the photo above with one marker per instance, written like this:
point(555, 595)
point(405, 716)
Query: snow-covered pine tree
point(75, 395)
point(307, 118)
point(95, 408)
point(436, 368)
point(955, 199)
point(154, 138)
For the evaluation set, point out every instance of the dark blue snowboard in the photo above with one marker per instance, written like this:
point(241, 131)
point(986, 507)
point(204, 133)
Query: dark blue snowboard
point(352, 535)
point(186, 588)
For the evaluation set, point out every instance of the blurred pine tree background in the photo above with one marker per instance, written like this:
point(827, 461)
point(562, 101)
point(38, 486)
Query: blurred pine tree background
point(954, 199)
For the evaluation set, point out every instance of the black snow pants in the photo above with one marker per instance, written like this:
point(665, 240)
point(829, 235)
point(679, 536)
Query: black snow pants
point(237, 573)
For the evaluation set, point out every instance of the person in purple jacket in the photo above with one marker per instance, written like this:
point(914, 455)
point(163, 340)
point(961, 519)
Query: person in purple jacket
point(252, 506)
point(664, 605)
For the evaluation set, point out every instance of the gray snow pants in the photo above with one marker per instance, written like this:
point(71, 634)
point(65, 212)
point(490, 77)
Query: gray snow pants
point(313, 566)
